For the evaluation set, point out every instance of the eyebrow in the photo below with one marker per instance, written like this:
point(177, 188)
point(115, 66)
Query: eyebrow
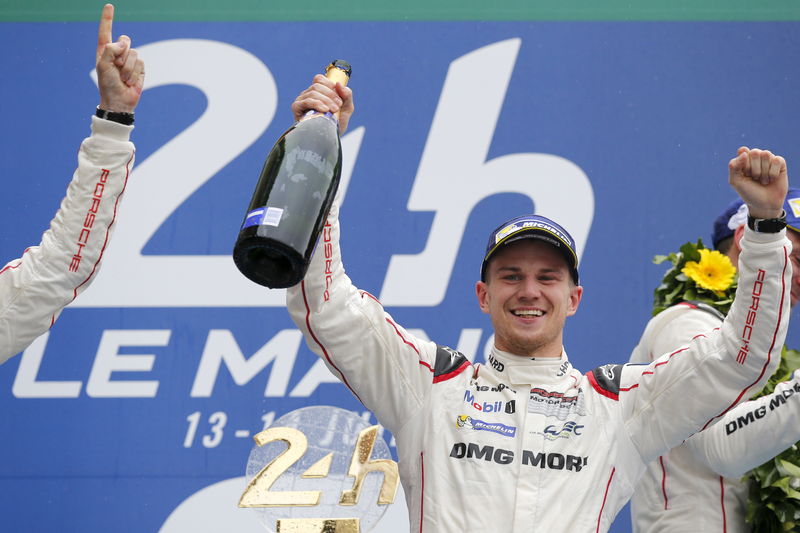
point(556, 271)
point(544, 270)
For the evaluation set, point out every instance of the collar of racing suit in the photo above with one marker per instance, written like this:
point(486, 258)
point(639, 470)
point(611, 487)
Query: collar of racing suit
point(525, 370)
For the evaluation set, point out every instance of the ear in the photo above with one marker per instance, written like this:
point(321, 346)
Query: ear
point(737, 238)
point(575, 295)
point(482, 292)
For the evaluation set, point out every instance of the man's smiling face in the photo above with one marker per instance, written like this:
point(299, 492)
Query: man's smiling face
point(528, 293)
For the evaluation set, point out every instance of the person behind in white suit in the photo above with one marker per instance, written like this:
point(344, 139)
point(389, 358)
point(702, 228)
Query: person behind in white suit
point(697, 486)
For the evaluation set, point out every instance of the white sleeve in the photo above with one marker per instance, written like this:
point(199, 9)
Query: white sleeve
point(36, 287)
point(671, 329)
point(751, 433)
point(686, 390)
point(389, 370)
point(681, 331)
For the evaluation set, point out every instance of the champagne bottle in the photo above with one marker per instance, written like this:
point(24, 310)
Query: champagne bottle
point(292, 198)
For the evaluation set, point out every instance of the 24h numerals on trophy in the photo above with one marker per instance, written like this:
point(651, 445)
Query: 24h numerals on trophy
point(258, 493)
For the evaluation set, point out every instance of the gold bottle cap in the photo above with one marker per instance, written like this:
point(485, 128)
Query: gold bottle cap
point(338, 71)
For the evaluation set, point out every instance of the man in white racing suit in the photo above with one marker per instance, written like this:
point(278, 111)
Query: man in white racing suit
point(697, 486)
point(36, 287)
point(526, 442)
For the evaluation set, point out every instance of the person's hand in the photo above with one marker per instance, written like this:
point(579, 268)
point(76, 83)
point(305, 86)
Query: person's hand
point(120, 72)
point(324, 95)
point(761, 180)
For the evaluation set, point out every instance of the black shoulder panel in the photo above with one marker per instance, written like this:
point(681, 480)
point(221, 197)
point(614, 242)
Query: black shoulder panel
point(608, 377)
point(447, 360)
point(705, 307)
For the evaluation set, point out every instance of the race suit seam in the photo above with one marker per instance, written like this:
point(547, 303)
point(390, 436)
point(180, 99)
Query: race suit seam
point(387, 350)
point(405, 341)
point(605, 497)
point(650, 373)
point(108, 228)
point(422, 490)
point(394, 325)
point(12, 267)
point(321, 346)
point(649, 404)
point(664, 482)
point(599, 389)
point(772, 345)
point(722, 503)
point(453, 373)
point(17, 292)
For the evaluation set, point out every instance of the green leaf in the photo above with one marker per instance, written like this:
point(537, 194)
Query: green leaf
point(788, 469)
point(678, 289)
point(789, 492)
point(690, 251)
point(773, 502)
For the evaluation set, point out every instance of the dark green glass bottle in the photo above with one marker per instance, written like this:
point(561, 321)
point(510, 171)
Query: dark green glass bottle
point(292, 198)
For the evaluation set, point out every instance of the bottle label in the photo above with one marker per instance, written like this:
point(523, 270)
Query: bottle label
point(269, 216)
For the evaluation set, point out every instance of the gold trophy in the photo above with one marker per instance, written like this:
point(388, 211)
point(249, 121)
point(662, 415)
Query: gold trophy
point(283, 459)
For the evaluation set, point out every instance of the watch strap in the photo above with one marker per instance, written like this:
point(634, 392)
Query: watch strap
point(115, 116)
point(767, 225)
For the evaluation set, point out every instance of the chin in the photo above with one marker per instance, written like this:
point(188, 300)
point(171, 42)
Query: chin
point(525, 349)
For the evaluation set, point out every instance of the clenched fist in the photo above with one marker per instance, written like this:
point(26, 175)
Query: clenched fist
point(760, 178)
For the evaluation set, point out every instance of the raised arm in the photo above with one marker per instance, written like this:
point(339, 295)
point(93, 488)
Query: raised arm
point(718, 370)
point(389, 370)
point(35, 288)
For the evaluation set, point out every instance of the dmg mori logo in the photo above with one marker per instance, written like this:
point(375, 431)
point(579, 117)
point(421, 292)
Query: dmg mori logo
point(457, 146)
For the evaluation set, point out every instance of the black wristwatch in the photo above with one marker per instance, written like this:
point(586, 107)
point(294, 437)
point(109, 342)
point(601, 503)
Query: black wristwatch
point(767, 225)
point(114, 116)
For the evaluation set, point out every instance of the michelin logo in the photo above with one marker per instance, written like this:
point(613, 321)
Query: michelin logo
point(466, 421)
point(515, 227)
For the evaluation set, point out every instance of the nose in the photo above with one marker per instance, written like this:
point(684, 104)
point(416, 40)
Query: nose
point(529, 289)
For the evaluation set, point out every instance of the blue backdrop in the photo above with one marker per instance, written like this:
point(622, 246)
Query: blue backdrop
point(620, 131)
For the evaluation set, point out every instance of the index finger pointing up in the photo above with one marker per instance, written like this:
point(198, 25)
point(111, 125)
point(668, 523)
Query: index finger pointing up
point(104, 32)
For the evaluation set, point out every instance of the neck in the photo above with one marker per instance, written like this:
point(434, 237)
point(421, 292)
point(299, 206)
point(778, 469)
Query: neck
point(550, 351)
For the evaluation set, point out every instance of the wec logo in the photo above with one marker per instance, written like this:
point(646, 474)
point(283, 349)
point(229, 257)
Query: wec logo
point(551, 432)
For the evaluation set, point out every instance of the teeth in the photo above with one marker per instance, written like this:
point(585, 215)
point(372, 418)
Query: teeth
point(529, 312)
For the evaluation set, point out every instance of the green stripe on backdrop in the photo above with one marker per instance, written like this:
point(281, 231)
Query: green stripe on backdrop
point(306, 10)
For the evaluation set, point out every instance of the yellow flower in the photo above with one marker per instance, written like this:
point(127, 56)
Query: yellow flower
point(714, 271)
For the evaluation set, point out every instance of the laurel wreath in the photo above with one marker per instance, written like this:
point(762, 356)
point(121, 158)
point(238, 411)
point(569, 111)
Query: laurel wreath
point(774, 487)
point(677, 287)
point(774, 498)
